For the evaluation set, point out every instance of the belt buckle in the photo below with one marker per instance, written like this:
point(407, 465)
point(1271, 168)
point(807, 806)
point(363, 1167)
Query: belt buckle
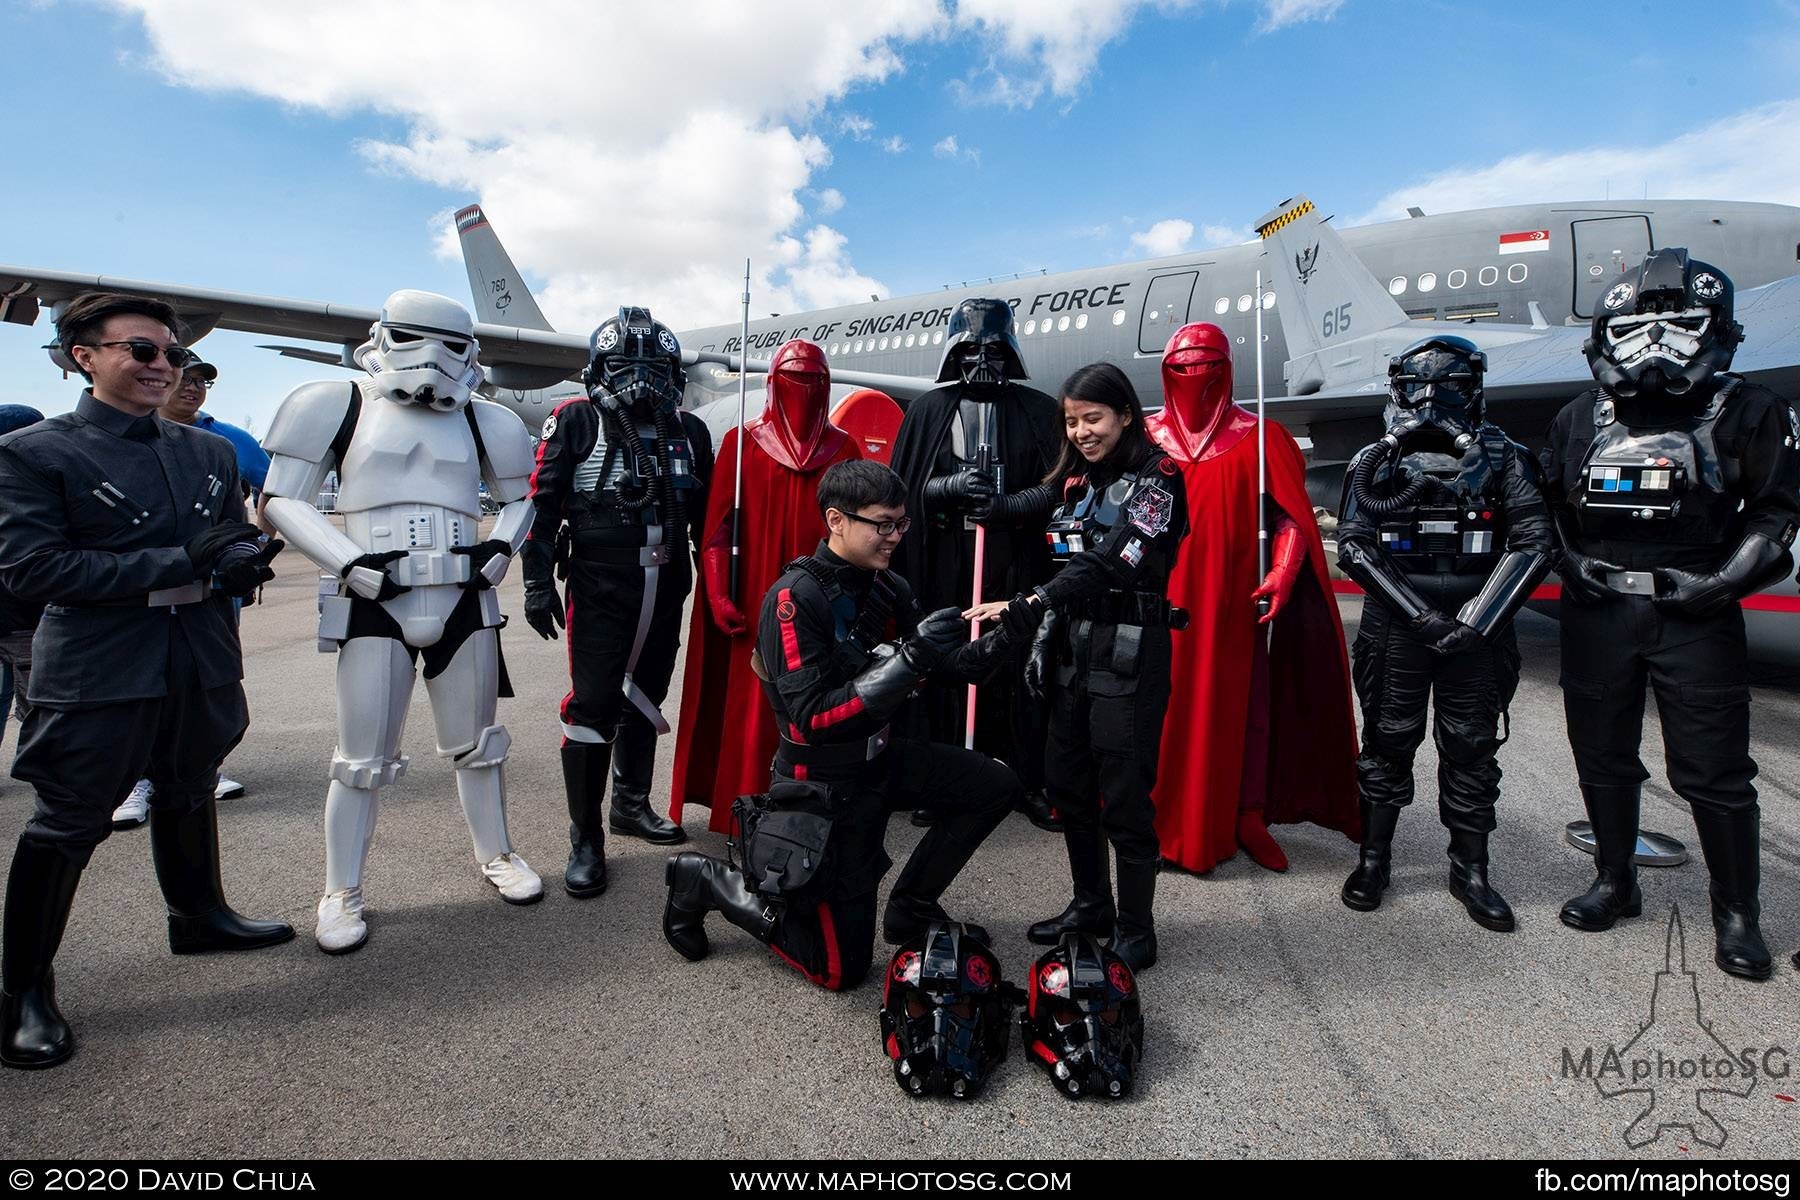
point(878, 742)
point(654, 556)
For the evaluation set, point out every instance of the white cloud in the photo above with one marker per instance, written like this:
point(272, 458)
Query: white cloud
point(610, 199)
point(1280, 13)
point(1752, 155)
point(1170, 236)
point(1060, 43)
point(949, 147)
point(894, 145)
point(857, 126)
point(830, 200)
point(1225, 235)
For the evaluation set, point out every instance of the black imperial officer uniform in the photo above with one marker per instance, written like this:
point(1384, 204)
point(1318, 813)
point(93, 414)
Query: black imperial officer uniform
point(1101, 660)
point(841, 648)
point(1443, 523)
point(130, 531)
point(970, 451)
point(1674, 489)
point(620, 490)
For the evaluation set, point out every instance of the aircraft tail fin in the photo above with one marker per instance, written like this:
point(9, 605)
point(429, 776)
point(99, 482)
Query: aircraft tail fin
point(1328, 302)
point(501, 297)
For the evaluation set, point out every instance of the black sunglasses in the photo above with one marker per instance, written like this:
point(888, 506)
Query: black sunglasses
point(145, 351)
point(884, 528)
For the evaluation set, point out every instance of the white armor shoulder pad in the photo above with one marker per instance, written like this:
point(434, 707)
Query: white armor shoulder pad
point(511, 450)
point(308, 420)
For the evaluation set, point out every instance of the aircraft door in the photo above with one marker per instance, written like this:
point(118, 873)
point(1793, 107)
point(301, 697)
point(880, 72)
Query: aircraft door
point(1165, 310)
point(1604, 247)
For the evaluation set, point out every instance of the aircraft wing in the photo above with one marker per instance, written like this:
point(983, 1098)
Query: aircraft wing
point(24, 291)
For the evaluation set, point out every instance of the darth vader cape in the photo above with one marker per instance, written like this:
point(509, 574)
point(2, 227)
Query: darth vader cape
point(1311, 744)
point(726, 738)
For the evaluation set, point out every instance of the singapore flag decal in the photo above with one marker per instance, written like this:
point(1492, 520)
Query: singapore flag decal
point(1528, 242)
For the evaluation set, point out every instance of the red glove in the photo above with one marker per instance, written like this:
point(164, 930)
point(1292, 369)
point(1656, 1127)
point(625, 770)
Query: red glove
point(1285, 563)
point(715, 564)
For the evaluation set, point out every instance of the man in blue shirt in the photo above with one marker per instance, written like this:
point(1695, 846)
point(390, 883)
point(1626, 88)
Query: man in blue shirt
point(196, 381)
point(253, 464)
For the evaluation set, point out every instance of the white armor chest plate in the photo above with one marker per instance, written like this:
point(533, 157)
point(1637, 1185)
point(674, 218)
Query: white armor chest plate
point(405, 454)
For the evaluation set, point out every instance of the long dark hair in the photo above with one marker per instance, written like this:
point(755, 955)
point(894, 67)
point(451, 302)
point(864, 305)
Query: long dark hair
point(1102, 383)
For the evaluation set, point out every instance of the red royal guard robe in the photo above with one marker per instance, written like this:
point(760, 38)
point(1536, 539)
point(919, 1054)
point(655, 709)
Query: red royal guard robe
point(726, 738)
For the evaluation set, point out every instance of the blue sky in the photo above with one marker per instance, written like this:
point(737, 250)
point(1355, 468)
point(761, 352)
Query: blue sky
point(317, 152)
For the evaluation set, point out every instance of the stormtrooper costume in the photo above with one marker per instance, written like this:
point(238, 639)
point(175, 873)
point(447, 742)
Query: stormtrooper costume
point(411, 449)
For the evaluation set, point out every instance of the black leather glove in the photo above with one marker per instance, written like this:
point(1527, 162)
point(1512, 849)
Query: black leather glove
point(1037, 663)
point(967, 489)
point(937, 637)
point(543, 610)
point(1689, 592)
point(1020, 620)
point(1432, 626)
point(204, 549)
point(1758, 562)
point(1584, 577)
point(1459, 640)
point(242, 569)
point(378, 563)
point(480, 555)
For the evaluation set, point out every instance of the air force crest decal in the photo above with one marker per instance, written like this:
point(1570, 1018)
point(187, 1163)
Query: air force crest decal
point(1306, 262)
point(1150, 509)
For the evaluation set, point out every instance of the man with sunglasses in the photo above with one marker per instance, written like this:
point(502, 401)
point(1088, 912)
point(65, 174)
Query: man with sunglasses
point(841, 646)
point(183, 408)
point(1673, 485)
point(130, 530)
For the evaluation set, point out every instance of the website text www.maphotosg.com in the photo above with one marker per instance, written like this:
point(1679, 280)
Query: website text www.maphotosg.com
point(901, 1181)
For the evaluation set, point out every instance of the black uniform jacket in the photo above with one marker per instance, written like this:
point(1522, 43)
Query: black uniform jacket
point(810, 682)
point(95, 508)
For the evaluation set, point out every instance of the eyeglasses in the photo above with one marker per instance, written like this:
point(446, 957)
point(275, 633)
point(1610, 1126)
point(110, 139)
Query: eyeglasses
point(884, 528)
point(145, 351)
point(199, 381)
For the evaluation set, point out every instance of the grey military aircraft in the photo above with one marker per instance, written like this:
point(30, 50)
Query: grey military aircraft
point(1520, 280)
point(1530, 273)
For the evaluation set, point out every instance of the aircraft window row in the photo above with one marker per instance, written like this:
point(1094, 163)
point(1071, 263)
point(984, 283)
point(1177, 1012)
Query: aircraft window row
point(1427, 282)
point(895, 342)
point(1245, 303)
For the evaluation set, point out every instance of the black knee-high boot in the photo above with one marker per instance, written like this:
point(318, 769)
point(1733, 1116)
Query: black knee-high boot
point(39, 894)
point(584, 767)
point(184, 845)
point(1362, 891)
point(1732, 842)
point(698, 885)
point(1614, 811)
point(1091, 911)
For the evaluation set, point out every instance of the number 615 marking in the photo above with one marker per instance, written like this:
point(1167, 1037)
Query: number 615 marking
point(1336, 320)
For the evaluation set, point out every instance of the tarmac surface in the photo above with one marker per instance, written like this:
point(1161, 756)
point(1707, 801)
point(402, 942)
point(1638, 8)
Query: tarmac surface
point(1279, 1022)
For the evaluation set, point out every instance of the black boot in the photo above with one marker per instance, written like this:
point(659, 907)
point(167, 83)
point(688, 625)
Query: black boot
point(633, 768)
point(1614, 811)
point(1037, 810)
point(184, 845)
point(698, 884)
point(1362, 891)
point(1134, 937)
point(39, 892)
point(1091, 911)
point(932, 867)
point(1732, 843)
point(584, 767)
point(1469, 881)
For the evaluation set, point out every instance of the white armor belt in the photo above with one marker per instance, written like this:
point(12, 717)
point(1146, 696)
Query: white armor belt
point(424, 568)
